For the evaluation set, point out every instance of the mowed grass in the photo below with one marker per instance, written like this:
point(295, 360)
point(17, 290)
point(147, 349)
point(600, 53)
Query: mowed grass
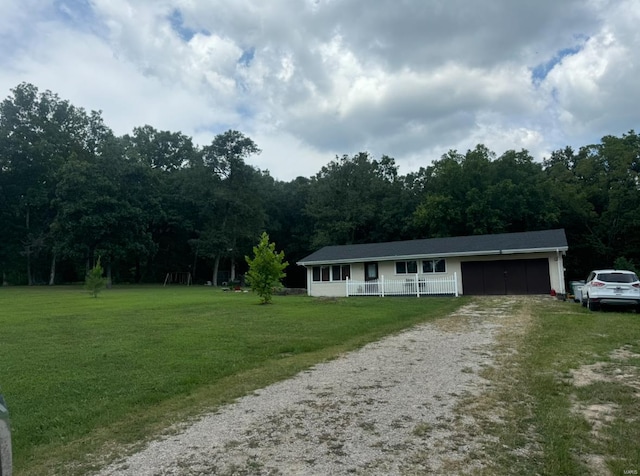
point(569, 398)
point(82, 375)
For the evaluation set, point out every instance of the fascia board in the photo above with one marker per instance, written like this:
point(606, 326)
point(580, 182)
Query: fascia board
point(431, 256)
point(535, 250)
point(395, 258)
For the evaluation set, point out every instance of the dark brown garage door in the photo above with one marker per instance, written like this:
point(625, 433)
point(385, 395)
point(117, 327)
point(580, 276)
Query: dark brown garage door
point(518, 276)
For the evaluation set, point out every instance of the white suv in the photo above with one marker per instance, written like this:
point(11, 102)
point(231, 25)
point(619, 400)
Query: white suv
point(611, 287)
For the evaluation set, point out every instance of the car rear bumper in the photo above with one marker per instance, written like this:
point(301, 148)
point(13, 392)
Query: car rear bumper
point(613, 301)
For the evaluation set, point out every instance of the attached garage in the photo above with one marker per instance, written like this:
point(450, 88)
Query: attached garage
point(500, 277)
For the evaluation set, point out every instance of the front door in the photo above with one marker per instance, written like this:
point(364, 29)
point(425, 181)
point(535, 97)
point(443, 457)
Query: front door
point(370, 271)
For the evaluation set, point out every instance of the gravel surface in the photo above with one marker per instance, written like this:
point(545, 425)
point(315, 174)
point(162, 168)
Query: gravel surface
point(386, 409)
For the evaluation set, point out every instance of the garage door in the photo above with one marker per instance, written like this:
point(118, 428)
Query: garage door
point(520, 276)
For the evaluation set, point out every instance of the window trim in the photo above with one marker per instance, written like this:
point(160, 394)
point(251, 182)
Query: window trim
point(434, 266)
point(327, 273)
point(403, 266)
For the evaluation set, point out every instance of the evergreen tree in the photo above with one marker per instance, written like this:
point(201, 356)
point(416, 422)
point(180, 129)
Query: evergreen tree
point(95, 282)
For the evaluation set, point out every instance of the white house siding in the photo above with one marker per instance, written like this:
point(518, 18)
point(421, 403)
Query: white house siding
point(453, 265)
point(332, 288)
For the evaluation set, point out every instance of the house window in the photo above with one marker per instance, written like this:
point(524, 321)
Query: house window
point(434, 266)
point(331, 273)
point(340, 273)
point(406, 267)
point(320, 273)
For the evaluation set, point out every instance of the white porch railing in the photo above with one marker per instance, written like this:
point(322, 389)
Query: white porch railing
point(410, 286)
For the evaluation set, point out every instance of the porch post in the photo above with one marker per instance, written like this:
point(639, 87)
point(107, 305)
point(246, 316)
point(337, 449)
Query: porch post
point(382, 285)
point(347, 284)
point(417, 286)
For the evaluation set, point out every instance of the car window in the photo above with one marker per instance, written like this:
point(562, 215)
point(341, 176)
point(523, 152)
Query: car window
point(617, 277)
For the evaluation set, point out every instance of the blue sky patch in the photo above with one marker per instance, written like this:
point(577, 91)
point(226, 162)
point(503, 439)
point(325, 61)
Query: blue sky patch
point(247, 57)
point(177, 23)
point(540, 72)
point(244, 111)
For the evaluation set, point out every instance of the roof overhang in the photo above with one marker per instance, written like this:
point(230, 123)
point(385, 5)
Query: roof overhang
point(562, 249)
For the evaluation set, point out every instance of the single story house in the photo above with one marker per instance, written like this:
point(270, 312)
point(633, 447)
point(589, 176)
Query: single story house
point(499, 264)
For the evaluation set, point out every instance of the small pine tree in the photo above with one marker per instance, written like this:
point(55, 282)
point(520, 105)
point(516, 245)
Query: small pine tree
point(94, 282)
point(266, 269)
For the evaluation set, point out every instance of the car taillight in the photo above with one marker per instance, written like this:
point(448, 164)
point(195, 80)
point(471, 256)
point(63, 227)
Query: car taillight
point(636, 285)
point(597, 284)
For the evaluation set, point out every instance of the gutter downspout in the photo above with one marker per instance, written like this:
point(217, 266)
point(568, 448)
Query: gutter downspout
point(562, 289)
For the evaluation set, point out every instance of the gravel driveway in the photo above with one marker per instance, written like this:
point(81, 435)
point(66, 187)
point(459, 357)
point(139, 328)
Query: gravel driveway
point(388, 408)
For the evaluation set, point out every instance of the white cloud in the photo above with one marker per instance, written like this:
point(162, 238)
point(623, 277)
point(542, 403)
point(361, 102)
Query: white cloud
point(595, 91)
point(311, 80)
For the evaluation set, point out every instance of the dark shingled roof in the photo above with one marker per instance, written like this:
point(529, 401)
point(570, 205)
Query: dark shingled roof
point(530, 241)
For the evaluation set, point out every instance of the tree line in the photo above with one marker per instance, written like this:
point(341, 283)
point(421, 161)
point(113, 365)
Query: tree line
point(152, 202)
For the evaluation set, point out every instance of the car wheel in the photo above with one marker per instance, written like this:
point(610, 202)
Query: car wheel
point(583, 302)
point(593, 306)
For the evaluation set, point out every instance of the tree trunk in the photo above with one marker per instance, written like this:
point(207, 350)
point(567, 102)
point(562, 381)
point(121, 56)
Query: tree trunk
point(216, 265)
point(109, 275)
point(29, 276)
point(27, 250)
point(4, 279)
point(52, 271)
point(195, 261)
point(233, 271)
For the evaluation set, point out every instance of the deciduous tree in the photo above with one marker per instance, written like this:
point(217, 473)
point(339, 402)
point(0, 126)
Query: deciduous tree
point(234, 212)
point(266, 269)
point(357, 199)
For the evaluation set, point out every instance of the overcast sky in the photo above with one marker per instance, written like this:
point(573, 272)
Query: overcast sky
point(311, 79)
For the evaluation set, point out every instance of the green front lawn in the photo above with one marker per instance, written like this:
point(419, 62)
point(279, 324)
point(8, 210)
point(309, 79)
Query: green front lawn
point(80, 373)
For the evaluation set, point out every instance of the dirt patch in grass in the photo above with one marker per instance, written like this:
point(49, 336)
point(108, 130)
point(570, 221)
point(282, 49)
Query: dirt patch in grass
point(588, 374)
point(601, 415)
point(615, 370)
point(597, 414)
point(598, 465)
point(624, 353)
